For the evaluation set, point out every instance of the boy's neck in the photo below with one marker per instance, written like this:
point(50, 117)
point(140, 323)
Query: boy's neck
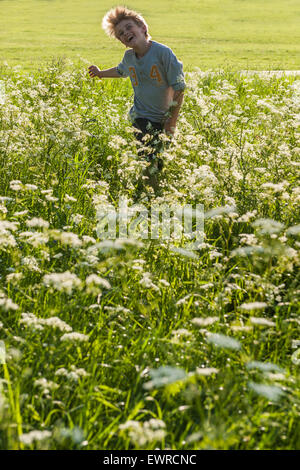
point(142, 49)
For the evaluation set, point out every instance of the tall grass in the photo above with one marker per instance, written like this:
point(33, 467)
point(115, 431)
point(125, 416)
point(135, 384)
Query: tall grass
point(136, 343)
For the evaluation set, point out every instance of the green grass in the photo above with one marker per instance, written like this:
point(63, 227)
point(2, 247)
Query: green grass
point(208, 34)
point(66, 150)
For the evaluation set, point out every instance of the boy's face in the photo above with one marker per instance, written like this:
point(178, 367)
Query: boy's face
point(130, 33)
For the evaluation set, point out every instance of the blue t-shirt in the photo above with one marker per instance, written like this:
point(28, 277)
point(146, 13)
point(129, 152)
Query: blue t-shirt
point(153, 77)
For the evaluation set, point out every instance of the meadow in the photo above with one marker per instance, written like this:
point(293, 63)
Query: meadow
point(239, 34)
point(143, 344)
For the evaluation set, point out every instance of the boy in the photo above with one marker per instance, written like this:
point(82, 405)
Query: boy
point(156, 76)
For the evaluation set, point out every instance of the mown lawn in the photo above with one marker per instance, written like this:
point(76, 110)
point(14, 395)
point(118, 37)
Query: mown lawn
point(237, 34)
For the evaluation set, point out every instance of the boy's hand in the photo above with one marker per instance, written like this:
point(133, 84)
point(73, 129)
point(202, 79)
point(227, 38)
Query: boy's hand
point(169, 127)
point(94, 71)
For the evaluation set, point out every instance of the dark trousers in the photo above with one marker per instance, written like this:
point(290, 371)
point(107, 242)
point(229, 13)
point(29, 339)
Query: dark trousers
point(153, 145)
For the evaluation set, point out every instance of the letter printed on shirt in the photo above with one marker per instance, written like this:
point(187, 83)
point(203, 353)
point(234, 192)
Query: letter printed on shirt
point(133, 75)
point(155, 73)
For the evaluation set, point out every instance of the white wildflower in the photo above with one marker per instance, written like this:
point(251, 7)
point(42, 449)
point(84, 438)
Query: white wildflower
point(88, 239)
point(3, 209)
point(241, 328)
point(35, 238)
point(16, 185)
point(202, 321)
point(31, 187)
point(73, 374)
point(47, 191)
point(183, 252)
point(143, 433)
point(263, 366)
point(6, 239)
point(94, 281)
point(147, 282)
point(261, 321)
point(55, 322)
point(181, 332)
point(73, 337)
point(183, 300)
point(206, 371)
point(14, 277)
point(219, 211)
point(215, 254)
point(294, 230)
point(7, 225)
point(223, 341)
point(209, 285)
point(31, 321)
point(247, 217)
point(268, 226)
point(248, 238)
point(37, 222)
point(164, 375)
point(70, 238)
point(63, 282)
point(296, 357)
point(77, 218)
point(253, 306)
point(20, 213)
point(51, 198)
point(30, 263)
point(276, 188)
point(68, 198)
point(7, 304)
point(45, 384)
point(271, 392)
point(32, 436)
point(163, 282)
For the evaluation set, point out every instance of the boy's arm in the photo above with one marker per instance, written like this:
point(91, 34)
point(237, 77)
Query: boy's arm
point(94, 71)
point(170, 123)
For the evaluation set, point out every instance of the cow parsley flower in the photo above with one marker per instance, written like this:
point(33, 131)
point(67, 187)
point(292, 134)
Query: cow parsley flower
point(204, 321)
point(31, 187)
point(32, 436)
point(268, 226)
point(63, 282)
point(261, 321)
point(271, 392)
point(45, 384)
point(223, 341)
point(7, 304)
point(147, 282)
point(253, 306)
point(37, 222)
point(73, 374)
point(55, 322)
point(73, 337)
point(16, 185)
point(30, 263)
point(93, 281)
point(14, 277)
point(206, 371)
point(143, 433)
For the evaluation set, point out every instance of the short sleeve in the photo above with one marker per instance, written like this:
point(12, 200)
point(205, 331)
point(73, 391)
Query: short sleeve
point(122, 68)
point(174, 70)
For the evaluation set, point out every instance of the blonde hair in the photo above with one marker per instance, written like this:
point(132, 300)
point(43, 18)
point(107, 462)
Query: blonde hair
point(114, 16)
